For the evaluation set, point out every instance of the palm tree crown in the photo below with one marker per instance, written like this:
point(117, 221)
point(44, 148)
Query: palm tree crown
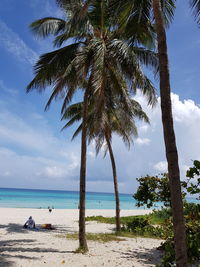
point(95, 55)
point(116, 118)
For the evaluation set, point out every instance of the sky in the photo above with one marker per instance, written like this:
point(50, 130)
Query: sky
point(34, 153)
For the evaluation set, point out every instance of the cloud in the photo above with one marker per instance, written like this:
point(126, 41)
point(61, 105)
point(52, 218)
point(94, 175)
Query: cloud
point(142, 141)
point(21, 170)
point(161, 166)
point(151, 159)
point(184, 109)
point(5, 89)
point(15, 45)
point(54, 171)
point(32, 155)
point(15, 130)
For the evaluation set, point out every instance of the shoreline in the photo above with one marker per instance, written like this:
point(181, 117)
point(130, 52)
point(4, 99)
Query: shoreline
point(139, 210)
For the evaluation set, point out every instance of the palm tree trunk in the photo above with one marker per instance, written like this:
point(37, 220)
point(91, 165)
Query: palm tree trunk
point(118, 227)
point(82, 236)
point(170, 141)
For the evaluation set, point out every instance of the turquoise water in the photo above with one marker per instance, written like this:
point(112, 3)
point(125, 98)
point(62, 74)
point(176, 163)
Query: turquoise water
point(34, 198)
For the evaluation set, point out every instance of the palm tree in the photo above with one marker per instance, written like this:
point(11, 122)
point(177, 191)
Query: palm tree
point(162, 11)
point(170, 140)
point(116, 119)
point(95, 57)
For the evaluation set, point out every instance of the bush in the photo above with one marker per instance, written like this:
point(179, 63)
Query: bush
point(162, 215)
point(136, 222)
point(192, 217)
point(192, 211)
point(141, 226)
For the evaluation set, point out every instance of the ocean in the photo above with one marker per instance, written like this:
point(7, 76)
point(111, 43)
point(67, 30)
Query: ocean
point(35, 198)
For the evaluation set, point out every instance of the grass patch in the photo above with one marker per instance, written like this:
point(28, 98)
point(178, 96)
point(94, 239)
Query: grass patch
point(101, 219)
point(100, 237)
point(109, 237)
point(147, 226)
point(154, 218)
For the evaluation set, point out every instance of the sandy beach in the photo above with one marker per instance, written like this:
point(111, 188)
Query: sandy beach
point(22, 247)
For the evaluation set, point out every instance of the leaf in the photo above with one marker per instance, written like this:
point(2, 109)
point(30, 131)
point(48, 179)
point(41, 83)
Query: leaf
point(189, 189)
point(197, 164)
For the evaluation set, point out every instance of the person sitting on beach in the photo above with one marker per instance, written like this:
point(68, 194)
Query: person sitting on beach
point(30, 223)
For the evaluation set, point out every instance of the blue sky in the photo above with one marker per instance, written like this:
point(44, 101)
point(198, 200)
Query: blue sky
point(33, 151)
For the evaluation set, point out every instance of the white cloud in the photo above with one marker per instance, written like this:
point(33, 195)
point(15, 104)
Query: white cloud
point(21, 170)
point(142, 141)
point(13, 129)
point(32, 156)
point(151, 159)
point(184, 109)
point(15, 45)
point(161, 166)
point(5, 89)
point(144, 128)
point(54, 171)
point(91, 154)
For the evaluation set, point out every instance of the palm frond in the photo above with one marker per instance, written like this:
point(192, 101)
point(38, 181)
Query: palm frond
point(195, 5)
point(147, 58)
point(51, 66)
point(168, 9)
point(46, 26)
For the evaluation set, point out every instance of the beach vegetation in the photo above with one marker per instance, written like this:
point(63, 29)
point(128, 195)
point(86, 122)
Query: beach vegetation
point(192, 185)
point(153, 189)
point(192, 219)
point(159, 225)
point(155, 218)
point(191, 213)
point(99, 237)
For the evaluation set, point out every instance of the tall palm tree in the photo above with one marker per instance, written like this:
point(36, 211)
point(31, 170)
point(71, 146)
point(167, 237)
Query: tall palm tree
point(116, 118)
point(95, 57)
point(161, 12)
point(170, 140)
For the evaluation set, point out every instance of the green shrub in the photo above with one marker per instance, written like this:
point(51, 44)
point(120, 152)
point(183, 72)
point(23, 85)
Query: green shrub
point(161, 215)
point(193, 241)
point(192, 211)
point(136, 222)
point(140, 225)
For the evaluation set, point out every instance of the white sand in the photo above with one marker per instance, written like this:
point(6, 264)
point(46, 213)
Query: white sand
point(24, 248)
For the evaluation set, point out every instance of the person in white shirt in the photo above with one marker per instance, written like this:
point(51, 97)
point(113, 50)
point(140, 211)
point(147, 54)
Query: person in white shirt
point(30, 223)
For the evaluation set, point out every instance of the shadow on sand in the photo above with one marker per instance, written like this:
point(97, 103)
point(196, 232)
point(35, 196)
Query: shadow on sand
point(13, 249)
point(13, 228)
point(148, 256)
point(18, 228)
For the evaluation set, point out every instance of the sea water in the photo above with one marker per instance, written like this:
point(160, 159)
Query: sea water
point(35, 198)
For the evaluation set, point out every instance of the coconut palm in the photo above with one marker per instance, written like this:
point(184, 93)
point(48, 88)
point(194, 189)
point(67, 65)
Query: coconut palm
point(95, 57)
point(115, 118)
point(161, 13)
